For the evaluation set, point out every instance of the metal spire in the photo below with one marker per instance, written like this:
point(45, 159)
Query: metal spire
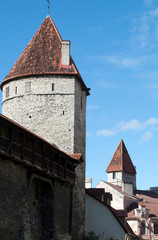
point(48, 6)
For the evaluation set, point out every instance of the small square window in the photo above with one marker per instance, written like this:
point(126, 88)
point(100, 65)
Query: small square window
point(52, 86)
point(27, 86)
point(7, 91)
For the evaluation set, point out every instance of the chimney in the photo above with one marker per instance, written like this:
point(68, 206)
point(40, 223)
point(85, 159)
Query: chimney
point(88, 183)
point(65, 53)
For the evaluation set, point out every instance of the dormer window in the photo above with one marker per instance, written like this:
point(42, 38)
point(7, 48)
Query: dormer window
point(7, 91)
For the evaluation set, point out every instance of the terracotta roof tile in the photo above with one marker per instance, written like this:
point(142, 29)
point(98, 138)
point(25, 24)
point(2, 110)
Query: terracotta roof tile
point(121, 161)
point(150, 203)
point(76, 156)
point(43, 56)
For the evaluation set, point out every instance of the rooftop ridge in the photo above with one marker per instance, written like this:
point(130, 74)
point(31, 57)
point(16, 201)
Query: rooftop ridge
point(121, 161)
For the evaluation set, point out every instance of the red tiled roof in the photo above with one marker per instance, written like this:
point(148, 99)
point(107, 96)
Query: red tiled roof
point(149, 202)
point(43, 56)
point(119, 189)
point(76, 156)
point(121, 161)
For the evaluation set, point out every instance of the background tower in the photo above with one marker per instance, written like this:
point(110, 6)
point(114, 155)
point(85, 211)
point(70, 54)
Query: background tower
point(45, 93)
point(121, 171)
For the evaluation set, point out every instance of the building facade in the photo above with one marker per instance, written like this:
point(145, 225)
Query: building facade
point(141, 206)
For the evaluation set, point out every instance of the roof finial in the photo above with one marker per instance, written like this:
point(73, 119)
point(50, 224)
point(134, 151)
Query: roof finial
point(48, 7)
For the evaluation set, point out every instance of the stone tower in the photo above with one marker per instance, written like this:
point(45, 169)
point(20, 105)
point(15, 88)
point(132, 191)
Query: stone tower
point(45, 93)
point(121, 171)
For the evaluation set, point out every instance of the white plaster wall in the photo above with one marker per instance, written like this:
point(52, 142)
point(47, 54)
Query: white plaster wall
point(100, 219)
point(117, 198)
point(134, 225)
point(122, 177)
point(117, 181)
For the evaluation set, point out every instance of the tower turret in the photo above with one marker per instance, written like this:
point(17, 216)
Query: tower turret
point(45, 93)
point(121, 171)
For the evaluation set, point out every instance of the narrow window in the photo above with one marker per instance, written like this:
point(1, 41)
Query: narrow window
point(52, 86)
point(27, 86)
point(155, 228)
point(7, 91)
point(16, 90)
point(63, 112)
point(81, 102)
point(142, 228)
point(114, 175)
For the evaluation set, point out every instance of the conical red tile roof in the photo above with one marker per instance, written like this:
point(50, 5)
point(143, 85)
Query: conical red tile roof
point(43, 56)
point(121, 161)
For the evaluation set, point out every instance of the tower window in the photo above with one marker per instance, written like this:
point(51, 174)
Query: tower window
point(16, 90)
point(27, 86)
point(52, 86)
point(114, 175)
point(81, 102)
point(7, 91)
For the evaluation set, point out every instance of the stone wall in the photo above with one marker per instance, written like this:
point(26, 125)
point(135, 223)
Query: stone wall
point(55, 109)
point(79, 147)
point(49, 114)
point(32, 207)
point(122, 177)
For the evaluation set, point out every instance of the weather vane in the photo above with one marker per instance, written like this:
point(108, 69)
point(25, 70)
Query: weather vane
point(48, 5)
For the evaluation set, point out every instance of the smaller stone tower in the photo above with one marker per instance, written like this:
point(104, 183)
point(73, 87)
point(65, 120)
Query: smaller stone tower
point(121, 171)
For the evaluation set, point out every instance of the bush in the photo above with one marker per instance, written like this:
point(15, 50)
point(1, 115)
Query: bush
point(90, 236)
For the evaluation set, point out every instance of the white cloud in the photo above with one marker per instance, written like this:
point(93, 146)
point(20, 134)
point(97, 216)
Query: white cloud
point(90, 107)
point(145, 29)
point(147, 136)
point(106, 133)
point(121, 60)
point(132, 125)
point(151, 121)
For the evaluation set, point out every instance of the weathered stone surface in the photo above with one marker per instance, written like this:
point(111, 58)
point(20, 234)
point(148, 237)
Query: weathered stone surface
point(32, 207)
point(58, 115)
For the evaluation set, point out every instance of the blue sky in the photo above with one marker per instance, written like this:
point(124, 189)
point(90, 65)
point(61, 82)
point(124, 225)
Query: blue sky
point(115, 47)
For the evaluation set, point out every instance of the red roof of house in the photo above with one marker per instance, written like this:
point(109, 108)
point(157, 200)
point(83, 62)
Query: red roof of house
point(150, 203)
point(119, 189)
point(121, 161)
point(43, 56)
